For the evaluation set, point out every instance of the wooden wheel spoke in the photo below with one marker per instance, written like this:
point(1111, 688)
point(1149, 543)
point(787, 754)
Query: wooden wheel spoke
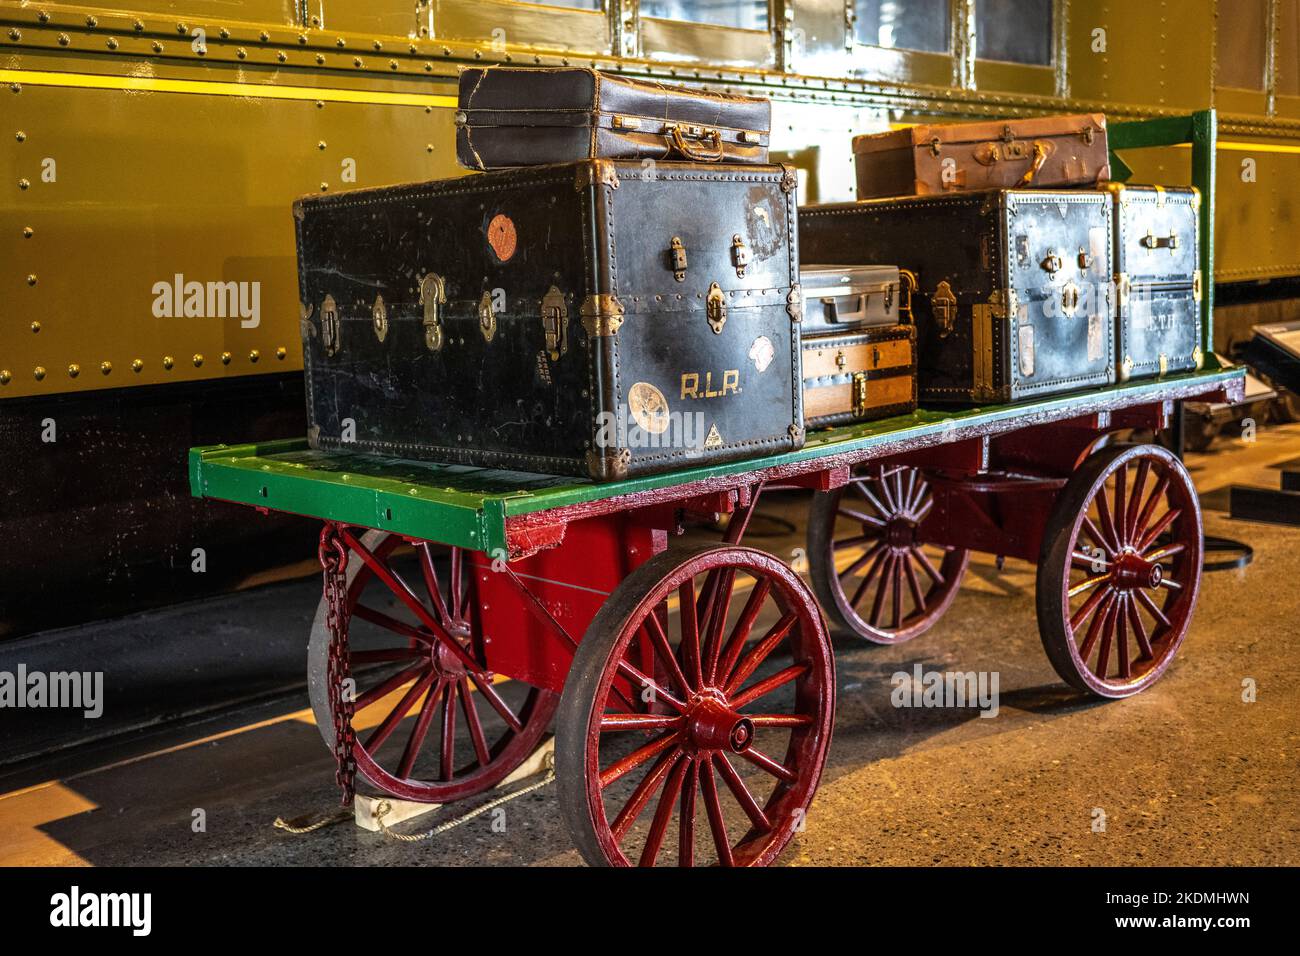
point(716, 620)
point(664, 811)
point(686, 817)
point(854, 542)
point(1135, 499)
point(494, 699)
point(1086, 561)
point(386, 687)
point(914, 585)
point(659, 641)
point(760, 651)
point(481, 752)
point(741, 792)
point(896, 581)
point(1152, 608)
point(613, 723)
point(1121, 638)
point(454, 581)
point(860, 516)
point(1157, 529)
point(639, 756)
point(1154, 499)
point(909, 496)
point(1098, 621)
point(1106, 524)
point(875, 551)
point(875, 502)
point(689, 649)
point(389, 723)
point(713, 809)
point(431, 581)
point(1171, 550)
point(780, 720)
point(641, 681)
point(926, 563)
point(1099, 539)
point(744, 625)
point(1121, 504)
point(418, 732)
point(878, 605)
point(922, 491)
point(763, 761)
point(1088, 606)
point(767, 685)
point(923, 511)
point(1139, 631)
point(390, 623)
point(882, 555)
point(1107, 633)
point(643, 792)
point(1088, 583)
point(448, 753)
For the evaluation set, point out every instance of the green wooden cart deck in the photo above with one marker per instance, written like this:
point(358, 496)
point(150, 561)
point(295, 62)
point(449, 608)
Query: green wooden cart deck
point(473, 507)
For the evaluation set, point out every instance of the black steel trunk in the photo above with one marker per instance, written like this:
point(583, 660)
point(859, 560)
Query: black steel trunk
point(533, 319)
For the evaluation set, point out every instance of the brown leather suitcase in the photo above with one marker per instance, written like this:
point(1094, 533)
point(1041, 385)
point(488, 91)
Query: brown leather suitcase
point(848, 298)
point(533, 116)
point(859, 376)
point(1046, 151)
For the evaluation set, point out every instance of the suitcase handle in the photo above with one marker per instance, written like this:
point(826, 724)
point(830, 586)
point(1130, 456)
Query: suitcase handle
point(700, 153)
point(1040, 157)
point(832, 303)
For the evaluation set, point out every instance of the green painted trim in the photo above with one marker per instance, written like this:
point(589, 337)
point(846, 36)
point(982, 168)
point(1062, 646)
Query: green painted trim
point(468, 507)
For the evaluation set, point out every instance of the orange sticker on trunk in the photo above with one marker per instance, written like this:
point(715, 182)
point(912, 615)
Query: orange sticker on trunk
point(502, 237)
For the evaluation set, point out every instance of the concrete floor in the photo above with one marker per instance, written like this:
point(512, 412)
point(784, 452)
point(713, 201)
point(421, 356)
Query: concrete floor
point(1186, 773)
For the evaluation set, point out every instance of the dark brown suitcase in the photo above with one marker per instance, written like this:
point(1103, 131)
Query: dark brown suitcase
point(1158, 280)
point(576, 319)
point(1013, 295)
point(859, 376)
point(522, 116)
point(1044, 152)
point(841, 299)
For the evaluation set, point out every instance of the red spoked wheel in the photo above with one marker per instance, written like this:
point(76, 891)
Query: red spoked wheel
point(872, 569)
point(735, 716)
point(1120, 570)
point(431, 724)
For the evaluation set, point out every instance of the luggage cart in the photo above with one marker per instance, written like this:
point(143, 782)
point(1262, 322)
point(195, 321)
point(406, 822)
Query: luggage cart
point(668, 670)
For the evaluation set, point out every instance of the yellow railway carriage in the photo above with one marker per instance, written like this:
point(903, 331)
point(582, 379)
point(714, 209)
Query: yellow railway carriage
point(150, 154)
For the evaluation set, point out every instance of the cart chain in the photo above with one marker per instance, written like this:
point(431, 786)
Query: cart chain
point(384, 808)
point(334, 563)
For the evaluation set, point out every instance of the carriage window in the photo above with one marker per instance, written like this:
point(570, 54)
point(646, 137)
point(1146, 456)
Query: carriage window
point(1242, 39)
point(571, 4)
point(1015, 31)
point(1288, 47)
point(903, 24)
point(740, 14)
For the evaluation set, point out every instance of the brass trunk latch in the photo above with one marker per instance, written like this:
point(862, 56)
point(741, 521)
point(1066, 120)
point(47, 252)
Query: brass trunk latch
point(433, 293)
point(715, 308)
point(487, 317)
point(379, 316)
point(1070, 299)
point(555, 322)
point(329, 326)
point(1152, 241)
point(1051, 262)
point(677, 254)
point(944, 305)
point(739, 255)
point(859, 394)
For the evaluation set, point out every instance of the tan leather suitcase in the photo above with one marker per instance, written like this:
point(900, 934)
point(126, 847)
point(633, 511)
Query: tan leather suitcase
point(859, 376)
point(1046, 151)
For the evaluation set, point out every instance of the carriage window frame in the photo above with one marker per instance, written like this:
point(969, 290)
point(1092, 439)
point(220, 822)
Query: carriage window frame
point(1039, 79)
point(528, 25)
point(687, 42)
point(873, 62)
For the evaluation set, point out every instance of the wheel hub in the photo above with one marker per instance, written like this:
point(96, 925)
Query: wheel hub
point(712, 725)
point(900, 533)
point(445, 661)
point(1134, 571)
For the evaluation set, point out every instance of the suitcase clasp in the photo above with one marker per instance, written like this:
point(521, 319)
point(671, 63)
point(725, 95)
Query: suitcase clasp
point(487, 317)
point(1051, 262)
point(739, 255)
point(944, 306)
point(329, 326)
point(677, 254)
point(555, 321)
point(715, 308)
point(433, 293)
